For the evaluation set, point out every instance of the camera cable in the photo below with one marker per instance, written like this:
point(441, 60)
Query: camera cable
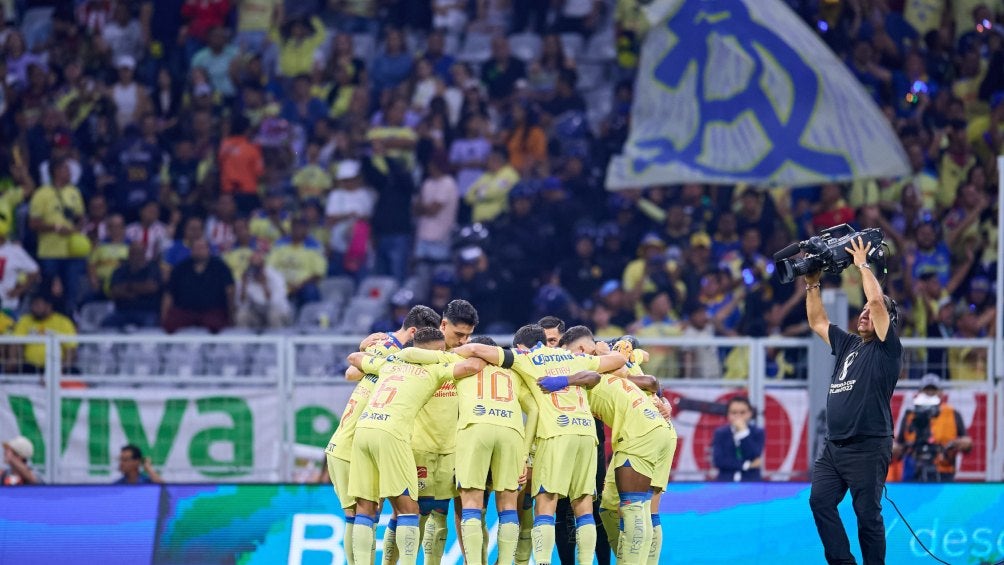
point(885, 490)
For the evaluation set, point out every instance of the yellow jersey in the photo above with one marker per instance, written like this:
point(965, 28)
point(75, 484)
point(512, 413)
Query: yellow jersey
point(10, 197)
point(6, 323)
point(238, 259)
point(297, 263)
point(436, 423)
point(625, 408)
point(494, 396)
point(565, 412)
point(340, 444)
point(105, 258)
point(401, 391)
point(262, 228)
point(488, 197)
point(51, 205)
point(381, 133)
point(55, 323)
point(312, 181)
point(297, 57)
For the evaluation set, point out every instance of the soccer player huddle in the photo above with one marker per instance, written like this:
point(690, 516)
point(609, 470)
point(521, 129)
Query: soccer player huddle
point(439, 417)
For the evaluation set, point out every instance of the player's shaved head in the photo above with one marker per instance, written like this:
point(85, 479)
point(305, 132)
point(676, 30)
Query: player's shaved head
point(430, 338)
point(459, 320)
point(421, 317)
point(528, 336)
point(578, 339)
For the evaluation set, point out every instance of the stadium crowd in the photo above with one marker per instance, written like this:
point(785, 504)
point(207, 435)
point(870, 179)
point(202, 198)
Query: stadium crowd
point(210, 163)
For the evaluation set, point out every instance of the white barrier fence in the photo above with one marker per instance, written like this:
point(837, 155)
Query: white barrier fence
point(246, 408)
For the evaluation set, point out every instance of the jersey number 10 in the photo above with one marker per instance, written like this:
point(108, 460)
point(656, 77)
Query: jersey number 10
point(496, 379)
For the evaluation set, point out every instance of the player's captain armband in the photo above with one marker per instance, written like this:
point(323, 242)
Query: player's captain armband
point(422, 356)
point(506, 358)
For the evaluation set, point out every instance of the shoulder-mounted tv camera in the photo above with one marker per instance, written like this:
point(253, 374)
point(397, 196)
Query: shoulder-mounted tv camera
point(827, 252)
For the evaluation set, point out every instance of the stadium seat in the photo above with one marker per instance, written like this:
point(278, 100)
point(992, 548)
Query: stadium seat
point(377, 287)
point(592, 76)
point(451, 44)
point(92, 314)
point(525, 46)
point(414, 42)
point(601, 47)
point(264, 361)
point(96, 359)
point(336, 289)
point(317, 316)
point(364, 46)
point(599, 104)
point(418, 285)
point(229, 358)
point(572, 44)
point(476, 48)
point(314, 360)
point(360, 315)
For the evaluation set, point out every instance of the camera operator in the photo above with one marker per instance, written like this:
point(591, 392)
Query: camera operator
point(858, 444)
point(930, 436)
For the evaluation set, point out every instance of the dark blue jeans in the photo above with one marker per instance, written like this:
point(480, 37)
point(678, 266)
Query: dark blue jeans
point(859, 466)
point(70, 273)
point(392, 254)
point(309, 293)
point(131, 318)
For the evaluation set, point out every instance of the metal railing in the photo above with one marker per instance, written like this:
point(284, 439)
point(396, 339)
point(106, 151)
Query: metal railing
point(190, 399)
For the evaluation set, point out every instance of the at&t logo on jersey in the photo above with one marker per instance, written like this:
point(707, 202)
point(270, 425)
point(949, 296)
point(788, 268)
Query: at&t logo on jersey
point(584, 422)
point(649, 413)
point(562, 420)
point(364, 415)
point(480, 410)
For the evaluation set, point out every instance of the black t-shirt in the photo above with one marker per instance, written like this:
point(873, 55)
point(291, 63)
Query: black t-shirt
point(501, 80)
point(145, 303)
point(192, 290)
point(862, 384)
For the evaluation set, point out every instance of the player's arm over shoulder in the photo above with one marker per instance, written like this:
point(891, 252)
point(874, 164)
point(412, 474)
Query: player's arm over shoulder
point(421, 356)
point(608, 363)
point(352, 374)
point(467, 367)
point(489, 353)
point(371, 340)
point(585, 379)
point(366, 363)
point(647, 383)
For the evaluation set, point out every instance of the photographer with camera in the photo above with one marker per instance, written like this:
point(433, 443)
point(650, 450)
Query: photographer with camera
point(859, 429)
point(930, 436)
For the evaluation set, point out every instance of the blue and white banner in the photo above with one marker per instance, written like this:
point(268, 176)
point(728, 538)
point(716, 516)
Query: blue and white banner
point(732, 91)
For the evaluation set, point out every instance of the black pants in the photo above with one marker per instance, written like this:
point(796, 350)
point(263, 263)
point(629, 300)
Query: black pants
point(860, 466)
point(530, 14)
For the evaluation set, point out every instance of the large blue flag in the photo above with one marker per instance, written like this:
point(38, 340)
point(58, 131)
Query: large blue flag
point(732, 91)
